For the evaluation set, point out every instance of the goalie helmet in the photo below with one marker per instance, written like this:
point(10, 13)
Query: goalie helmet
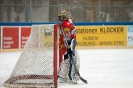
point(64, 15)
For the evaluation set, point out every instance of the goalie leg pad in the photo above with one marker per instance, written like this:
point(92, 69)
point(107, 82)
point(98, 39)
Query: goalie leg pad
point(70, 67)
point(63, 71)
point(72, 72)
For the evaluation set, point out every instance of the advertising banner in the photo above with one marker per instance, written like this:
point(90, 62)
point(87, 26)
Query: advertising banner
point(25, 32)
point(101, 36)
point(130, 36)
point(46, 36)
point(10, 37)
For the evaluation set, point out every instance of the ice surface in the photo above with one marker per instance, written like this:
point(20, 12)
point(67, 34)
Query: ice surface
point(102, 68)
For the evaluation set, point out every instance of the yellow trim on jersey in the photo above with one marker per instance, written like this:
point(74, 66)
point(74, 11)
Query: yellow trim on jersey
point(66, 29)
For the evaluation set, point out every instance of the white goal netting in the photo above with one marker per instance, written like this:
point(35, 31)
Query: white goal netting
point(37, 64)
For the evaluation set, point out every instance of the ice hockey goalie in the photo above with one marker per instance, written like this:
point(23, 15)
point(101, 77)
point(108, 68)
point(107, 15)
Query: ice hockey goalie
point(68, 56)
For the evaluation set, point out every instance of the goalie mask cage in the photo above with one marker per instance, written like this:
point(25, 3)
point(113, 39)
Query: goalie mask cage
point(38, 62)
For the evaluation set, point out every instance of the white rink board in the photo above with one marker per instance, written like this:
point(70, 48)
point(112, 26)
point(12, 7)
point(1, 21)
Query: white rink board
point(103, 68)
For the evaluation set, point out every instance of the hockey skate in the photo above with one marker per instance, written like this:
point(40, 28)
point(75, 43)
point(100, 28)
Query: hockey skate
point(62, 80)
point(74, 80)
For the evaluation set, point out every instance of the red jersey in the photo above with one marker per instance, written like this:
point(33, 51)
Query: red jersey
point(67, 31)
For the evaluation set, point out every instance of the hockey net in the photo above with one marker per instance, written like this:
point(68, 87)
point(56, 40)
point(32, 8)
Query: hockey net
point(38, 62)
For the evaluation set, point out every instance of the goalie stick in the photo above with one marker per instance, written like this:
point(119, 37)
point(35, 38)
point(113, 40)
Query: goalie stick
point(77, 72)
